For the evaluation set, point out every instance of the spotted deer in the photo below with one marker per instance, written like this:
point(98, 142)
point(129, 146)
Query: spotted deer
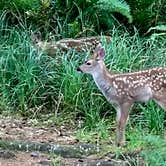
point(124, 90)
point(80, 45)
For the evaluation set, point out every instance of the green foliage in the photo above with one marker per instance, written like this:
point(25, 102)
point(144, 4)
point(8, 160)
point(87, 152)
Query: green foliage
point(99, 132)
point(71, 18)
point(84, 18)
point(147, 13)
point(15, 12)
point(158, 28)
point(68, 18)
point(27, 79)
point(154, 118)
point(115, 6)
point(21, 5)
point(158, 31)
point(155, 154)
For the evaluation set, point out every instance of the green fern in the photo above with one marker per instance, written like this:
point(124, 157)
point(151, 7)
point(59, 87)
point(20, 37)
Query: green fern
point(147, 13)
point(158, 31)
point(119, 6)
point(70, 18)
point(158, 28)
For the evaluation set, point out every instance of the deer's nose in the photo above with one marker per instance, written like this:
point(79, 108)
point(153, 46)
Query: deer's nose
point(78, 69)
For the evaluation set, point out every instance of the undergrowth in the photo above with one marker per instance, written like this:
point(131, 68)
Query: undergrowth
point(32, 83)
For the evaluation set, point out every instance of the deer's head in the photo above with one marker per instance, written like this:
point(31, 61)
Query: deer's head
point(95, 63)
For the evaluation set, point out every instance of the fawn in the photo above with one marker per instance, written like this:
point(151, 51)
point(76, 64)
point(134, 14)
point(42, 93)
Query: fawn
point(124, 90)
point(81, 45)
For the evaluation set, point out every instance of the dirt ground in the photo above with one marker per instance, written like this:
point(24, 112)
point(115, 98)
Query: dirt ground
point(21, 129)
point(40, 159)
point(25, 159)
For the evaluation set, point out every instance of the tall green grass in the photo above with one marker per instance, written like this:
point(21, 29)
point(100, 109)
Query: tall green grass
point(32, 81)
point(27, 79)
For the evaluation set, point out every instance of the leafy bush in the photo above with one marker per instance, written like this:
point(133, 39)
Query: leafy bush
point(147, 13)
point(71, 18)
point(67, 18)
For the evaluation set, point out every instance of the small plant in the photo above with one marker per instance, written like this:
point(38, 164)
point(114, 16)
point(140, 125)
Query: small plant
point(155, 154)
point(56, 160)
point(154, 118)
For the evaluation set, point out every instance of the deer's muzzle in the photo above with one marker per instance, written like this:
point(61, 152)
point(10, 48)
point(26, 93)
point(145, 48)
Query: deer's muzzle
point(79, 70)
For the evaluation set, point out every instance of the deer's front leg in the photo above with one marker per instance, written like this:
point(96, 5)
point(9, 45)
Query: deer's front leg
point(121, 118)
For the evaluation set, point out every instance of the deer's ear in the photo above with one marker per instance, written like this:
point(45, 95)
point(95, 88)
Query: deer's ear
point(100, 52)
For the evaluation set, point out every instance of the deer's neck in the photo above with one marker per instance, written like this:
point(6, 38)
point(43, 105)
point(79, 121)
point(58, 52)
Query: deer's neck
point(102, 79)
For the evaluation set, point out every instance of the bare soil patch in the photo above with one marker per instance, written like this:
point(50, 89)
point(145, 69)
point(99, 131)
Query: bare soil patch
point(21, 129)
point(25, 159)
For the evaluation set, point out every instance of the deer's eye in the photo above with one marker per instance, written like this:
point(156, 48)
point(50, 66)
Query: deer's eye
point(88, 63)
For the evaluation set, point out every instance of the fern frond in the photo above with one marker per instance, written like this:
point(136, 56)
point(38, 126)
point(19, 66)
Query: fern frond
point(158, 28)
point(119, 6)
point(161, 29)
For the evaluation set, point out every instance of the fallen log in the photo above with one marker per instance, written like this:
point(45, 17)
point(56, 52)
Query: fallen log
point(67, 151)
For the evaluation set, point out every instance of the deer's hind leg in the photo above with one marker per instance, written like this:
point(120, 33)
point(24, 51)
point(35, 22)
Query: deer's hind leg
point(160, 99)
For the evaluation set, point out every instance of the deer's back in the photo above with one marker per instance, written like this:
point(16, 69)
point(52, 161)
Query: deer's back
point(139, 86)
